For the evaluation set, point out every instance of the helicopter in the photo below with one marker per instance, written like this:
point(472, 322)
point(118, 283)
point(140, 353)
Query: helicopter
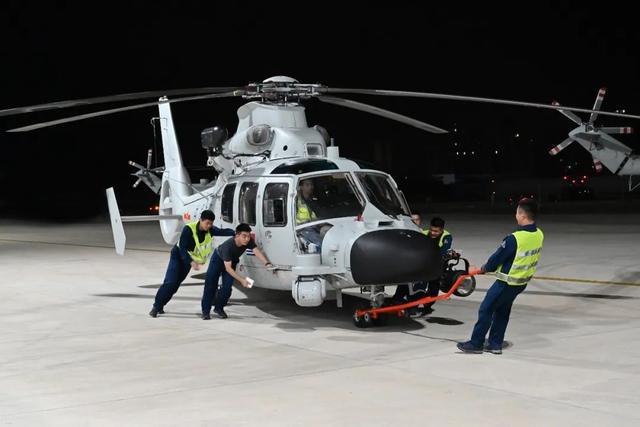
point(597, 140)
point(360, 233)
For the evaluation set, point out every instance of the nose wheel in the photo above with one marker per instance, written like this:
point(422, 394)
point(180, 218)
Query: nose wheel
point(368, 319)
point(364, 321)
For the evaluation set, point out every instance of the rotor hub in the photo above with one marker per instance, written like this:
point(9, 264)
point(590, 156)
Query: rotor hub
point(281, 90)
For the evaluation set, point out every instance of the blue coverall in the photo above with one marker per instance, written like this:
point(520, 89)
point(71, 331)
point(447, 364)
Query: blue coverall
point(180, 263)
point(495, 309)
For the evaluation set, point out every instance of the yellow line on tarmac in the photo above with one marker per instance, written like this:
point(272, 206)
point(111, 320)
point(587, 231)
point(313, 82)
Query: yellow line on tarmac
point(593, 282)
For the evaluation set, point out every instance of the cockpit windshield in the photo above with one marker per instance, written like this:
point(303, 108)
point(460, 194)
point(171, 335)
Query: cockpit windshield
point(326, 196)
point(382, 193)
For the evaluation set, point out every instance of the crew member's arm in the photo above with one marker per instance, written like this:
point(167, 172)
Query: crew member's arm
point(215, 231)
point(506, 250)
point(258, 253)
point(229, 267)
point(187, 244)
point(446, 244)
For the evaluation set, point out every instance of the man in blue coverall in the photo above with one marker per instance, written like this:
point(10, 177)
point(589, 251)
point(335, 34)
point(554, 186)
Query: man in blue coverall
point(191, 251)
point(443, 239)
point(514, 263)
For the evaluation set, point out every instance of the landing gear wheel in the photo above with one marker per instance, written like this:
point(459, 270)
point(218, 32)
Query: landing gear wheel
point(358, 320)
point(364, 321)
point(467, 286)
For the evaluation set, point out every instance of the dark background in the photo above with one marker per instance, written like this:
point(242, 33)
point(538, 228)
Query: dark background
point(64, 50)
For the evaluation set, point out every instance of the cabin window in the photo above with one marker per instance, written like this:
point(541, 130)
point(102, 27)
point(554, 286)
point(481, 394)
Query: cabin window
point(274, 204)
point(248, 195)
point(226, 206)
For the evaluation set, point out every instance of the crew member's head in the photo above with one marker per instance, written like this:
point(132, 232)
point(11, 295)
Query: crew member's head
point(206, 220)
point(436, 227)
point(527, 211)
point(416, 218)
point(243, 234)
point(306, 188)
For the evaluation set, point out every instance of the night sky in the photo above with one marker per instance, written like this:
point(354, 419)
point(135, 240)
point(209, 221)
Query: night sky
point(62, 50)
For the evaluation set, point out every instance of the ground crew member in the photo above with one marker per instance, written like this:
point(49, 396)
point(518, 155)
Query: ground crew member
point(514, 264)
point(192, 251)
point(445, 240)
point(417, 220)
point(223, 262)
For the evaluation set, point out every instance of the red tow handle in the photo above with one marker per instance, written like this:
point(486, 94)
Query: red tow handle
point(374, 312)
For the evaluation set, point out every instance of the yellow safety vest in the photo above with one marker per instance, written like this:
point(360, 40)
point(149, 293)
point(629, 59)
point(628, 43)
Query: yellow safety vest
point(444, 234)
point(427, 233)
point(525, 263)
point(202, 250)
point(303, 212)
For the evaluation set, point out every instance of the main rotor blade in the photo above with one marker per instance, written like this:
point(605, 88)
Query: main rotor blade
point(612, 130)
point(445, 96)
point(558, 148)
point(381, 112)
point(597, 104)
point(118, 110)
point(568, 114)
point(597, 164)
point(113, 98)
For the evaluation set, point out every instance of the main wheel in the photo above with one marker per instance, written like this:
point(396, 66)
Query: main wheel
point(467, 286)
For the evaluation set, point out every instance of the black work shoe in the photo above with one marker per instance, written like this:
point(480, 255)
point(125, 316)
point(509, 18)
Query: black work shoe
point(206, 316)
point(467, 347)
point(221, 314)
point(161, 311)
point(493, 350)
point(154, 312)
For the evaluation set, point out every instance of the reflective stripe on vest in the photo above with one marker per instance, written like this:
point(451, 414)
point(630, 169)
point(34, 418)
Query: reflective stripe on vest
point(525, 263)
point(444, 234)
point(201, 250)
point(303, 212)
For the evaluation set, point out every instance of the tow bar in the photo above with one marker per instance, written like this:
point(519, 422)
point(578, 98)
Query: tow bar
point(367, 317)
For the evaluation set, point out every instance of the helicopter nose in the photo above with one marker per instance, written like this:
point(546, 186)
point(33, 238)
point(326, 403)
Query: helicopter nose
point(394, 256)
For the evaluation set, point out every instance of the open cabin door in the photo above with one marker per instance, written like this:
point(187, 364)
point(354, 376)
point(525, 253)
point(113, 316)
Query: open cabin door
point(275, 230)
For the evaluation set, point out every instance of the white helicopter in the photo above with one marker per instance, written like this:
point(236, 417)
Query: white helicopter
point(604, 149)
point(360, 233)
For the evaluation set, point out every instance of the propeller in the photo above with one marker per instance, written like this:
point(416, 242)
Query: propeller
point(148, 174)
point(596, 105)
point(590, 133)
point(558, 148)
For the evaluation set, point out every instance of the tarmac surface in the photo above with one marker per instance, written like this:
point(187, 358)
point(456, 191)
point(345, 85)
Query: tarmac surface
point(77, 346)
